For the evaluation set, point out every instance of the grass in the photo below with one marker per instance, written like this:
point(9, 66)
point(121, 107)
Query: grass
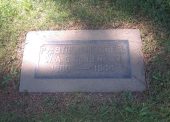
point(152, 17)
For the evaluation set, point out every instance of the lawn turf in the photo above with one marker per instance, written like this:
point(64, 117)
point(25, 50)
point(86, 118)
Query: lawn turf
point(152, 17)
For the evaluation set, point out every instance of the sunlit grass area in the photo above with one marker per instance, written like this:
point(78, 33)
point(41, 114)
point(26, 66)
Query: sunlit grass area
point(152, 17)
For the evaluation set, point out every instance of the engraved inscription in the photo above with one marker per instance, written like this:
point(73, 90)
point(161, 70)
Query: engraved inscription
point(89, 59)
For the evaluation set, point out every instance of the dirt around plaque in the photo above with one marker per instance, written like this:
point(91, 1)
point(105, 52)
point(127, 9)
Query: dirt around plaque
point(83, 61)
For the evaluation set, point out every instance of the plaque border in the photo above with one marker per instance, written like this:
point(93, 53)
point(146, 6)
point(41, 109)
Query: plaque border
point(78, 42)
point(36, 38)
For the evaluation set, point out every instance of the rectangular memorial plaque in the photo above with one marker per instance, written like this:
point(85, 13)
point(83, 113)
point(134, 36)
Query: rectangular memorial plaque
point(90, 59)
point(83, 61)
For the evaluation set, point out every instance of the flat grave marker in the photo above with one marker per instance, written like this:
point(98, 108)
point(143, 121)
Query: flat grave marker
point(83, 61)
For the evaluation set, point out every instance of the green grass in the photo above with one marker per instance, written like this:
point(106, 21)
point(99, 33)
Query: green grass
point(152, 17)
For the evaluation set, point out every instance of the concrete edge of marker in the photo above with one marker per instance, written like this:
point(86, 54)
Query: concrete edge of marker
point(36, 38)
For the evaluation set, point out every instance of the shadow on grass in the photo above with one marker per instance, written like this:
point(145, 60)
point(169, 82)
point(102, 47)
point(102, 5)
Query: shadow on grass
point(152, 17)
point(96, 13)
